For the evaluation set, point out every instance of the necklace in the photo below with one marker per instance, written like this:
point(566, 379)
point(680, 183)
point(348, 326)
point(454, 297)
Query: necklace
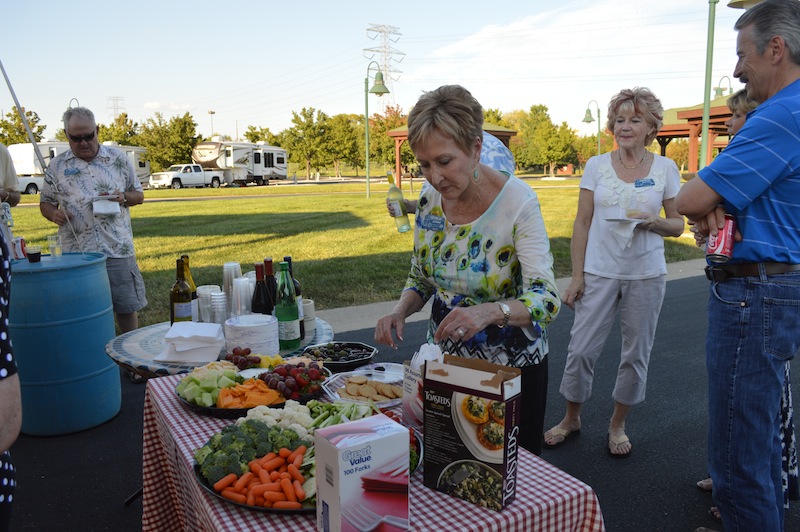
point(619, 156)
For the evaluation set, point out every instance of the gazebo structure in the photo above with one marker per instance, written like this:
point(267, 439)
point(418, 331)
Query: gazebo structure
point(687, 122)
point(400, 135)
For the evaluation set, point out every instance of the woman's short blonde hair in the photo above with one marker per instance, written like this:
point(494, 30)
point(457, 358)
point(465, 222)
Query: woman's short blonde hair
point(643, 103)
point(451, 110)
point(740, 102)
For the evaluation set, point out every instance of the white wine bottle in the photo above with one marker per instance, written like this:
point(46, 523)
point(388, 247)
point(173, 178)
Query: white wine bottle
point(188, 278)
point(398, 205)
point(286, 311)
point(180, 297)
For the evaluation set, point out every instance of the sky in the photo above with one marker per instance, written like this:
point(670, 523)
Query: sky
point(255, 63)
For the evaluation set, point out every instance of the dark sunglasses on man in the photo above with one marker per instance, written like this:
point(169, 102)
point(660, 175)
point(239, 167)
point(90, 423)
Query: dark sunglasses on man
point(80, 138)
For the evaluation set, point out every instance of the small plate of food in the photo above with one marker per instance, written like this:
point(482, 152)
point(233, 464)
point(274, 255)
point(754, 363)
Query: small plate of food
point(481, 424)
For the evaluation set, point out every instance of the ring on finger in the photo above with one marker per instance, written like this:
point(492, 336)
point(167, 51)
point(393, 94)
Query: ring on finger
point(461, 332)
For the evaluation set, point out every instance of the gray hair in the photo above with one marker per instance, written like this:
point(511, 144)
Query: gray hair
point(77, 112)
point(771, 18)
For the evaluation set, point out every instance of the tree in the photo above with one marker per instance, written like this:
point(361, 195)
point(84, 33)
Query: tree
point(343, 143)
point(261, 134)
point(167, 142)
point(381, 145)
point(12, 130)
point(121, 130)
point(306, 140)
point(493, 116)
point(678, 151)
point(559, 147)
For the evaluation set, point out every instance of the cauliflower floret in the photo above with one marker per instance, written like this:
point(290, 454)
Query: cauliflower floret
point(301, 431)
point(264, 414)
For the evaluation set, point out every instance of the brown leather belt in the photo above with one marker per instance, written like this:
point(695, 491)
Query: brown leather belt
point(748, 269)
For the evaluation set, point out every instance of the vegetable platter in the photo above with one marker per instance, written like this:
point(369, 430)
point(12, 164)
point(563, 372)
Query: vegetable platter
point(265, 461)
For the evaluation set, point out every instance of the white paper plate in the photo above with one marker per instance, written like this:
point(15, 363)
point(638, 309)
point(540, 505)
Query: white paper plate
point(620, 220)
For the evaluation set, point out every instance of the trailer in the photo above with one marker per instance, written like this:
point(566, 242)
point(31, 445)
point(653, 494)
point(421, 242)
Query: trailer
point(31, 176)
point(242, 162)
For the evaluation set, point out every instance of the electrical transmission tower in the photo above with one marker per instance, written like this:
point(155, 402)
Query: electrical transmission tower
point(388, 35)
point(115, 106)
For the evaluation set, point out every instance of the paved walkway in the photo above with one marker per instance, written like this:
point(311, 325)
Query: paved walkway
point(366, 316)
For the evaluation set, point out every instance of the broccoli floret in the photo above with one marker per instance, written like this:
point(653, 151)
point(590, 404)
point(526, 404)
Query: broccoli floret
point(283, 438)
point(202, 453)
point(221, 463)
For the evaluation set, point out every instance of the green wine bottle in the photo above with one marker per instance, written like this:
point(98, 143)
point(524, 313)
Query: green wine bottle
point(286, 311)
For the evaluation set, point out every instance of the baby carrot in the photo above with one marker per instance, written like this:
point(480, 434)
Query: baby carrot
point(284, 452)
point(263, 476)
point(299, 451)
point(251, 499)
point(274, 476)
point(275, 463)
point(266, 458)
point(286, 474)
point(298, 461)
point(225, 481)
point(287, 505)
point(298, 489)
point(242, 482)
point(295, 473)
point(274, 496)
point(288, 489)
point(255, 467)
point(234, 496)
point(263, 488)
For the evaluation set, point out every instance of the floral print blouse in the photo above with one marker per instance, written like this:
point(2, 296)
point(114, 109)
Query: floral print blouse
point(504, 254)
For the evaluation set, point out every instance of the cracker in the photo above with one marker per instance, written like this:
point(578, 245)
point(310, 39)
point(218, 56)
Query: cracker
point(357, 379)
point(366, 390)
point(353, 388)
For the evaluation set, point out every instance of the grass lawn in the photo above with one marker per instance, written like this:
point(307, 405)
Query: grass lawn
point(344, 246)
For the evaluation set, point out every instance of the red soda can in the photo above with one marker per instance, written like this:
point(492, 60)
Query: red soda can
point(719, 248)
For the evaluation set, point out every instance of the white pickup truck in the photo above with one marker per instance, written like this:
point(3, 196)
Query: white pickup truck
point(187, 175)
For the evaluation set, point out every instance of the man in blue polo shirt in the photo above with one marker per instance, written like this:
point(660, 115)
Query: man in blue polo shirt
point(754, 300)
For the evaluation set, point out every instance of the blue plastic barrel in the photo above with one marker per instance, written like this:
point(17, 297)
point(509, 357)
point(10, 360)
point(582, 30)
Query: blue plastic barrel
point(60, 320)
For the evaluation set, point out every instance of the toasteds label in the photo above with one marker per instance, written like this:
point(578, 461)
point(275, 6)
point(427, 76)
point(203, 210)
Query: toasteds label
point(434, 398)
point(510, 477)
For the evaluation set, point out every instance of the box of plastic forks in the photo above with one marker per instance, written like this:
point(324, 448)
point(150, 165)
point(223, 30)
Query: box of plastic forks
point(471, 426)
point(362, 475)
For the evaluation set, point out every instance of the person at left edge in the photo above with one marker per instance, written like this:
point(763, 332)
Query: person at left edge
point(481, 252)
point(85, 171)
point(9, 184)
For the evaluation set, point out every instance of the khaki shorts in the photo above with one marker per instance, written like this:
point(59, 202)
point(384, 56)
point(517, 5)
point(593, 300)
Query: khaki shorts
point(127, 285)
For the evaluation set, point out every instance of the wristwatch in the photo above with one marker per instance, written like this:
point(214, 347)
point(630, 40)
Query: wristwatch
point(506, 314)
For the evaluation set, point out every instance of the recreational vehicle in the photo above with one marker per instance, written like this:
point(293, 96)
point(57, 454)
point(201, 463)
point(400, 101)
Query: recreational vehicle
point(31, 176)
point(242, 162)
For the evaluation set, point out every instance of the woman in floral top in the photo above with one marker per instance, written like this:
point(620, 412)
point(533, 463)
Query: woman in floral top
point(480, 251)
point(618, 263)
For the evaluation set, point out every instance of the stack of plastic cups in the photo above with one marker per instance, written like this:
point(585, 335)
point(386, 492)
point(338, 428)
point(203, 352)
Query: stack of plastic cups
point(242, 296)
point(219, 307)
point(204, 301)
point(230, 271)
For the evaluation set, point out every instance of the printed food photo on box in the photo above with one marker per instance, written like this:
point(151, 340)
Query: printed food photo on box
point(362, 475)
point(471, 418)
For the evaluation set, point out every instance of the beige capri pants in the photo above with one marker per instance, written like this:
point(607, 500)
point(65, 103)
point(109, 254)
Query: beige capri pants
point(639, 303)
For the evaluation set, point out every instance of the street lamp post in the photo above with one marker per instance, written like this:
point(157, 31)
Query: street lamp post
point(719, 91)
point(589, 119)
point(212, 113)
point(380, 89)
point(712, 6)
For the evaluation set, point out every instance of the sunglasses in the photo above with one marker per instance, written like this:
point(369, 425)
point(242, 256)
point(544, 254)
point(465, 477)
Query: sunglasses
point(79, 138)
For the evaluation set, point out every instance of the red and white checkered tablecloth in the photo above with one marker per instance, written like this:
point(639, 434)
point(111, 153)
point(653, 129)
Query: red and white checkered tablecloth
point(546, 499)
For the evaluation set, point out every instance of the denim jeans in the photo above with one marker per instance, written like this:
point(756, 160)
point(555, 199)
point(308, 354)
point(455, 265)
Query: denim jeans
point(753, 329)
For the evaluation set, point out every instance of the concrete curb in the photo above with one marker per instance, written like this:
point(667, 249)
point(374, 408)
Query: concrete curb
point(366, 316)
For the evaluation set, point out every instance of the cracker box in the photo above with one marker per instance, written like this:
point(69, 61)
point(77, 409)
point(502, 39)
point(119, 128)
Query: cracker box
point(471, 427)
point(362, 475)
